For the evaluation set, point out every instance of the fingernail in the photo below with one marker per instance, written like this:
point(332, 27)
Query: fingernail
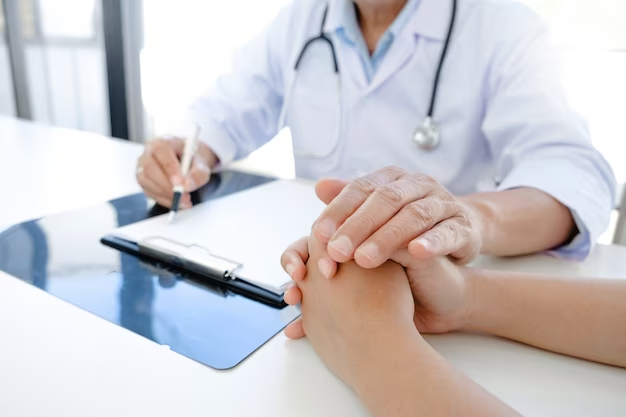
point(369, 250)
point(326, 228)
point(325, 267)
point(426, 244)
point(290, 269)
point(342, 245)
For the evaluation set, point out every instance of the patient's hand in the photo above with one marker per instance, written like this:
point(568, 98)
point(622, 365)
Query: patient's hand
point(442, 292)
point(349, 314)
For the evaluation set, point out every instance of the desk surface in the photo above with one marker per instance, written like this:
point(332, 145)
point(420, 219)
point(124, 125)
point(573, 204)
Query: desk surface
point(58, 360)
point(50, 170)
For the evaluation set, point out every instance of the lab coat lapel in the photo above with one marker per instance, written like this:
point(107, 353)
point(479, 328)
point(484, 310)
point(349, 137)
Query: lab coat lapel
point(400, 53)
point(430, 21)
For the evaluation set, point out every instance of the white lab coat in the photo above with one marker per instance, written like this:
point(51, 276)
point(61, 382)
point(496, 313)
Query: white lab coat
point(502, 113)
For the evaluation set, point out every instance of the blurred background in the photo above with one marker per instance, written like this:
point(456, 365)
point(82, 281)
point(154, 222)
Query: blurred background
point(129, 68)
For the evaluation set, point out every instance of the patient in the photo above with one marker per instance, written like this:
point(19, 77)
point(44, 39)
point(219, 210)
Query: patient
point(365, 324)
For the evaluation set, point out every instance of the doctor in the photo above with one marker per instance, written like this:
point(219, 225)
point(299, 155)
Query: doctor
point(459, 99)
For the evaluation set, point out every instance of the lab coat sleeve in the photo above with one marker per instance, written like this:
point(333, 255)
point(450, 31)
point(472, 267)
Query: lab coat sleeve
point(240, 112)
point(536, 138)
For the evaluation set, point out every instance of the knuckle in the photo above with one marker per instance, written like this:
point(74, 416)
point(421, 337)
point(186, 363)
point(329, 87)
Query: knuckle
point(396, 232)
point(463, 233)
point(158, 145)
point(423, 212)
point(363, 222)
point(392, 194)
point(447, 197)
point(361, 187)
point(427, 179)
point(464, 220)
point(448, 233)
point(365, 184)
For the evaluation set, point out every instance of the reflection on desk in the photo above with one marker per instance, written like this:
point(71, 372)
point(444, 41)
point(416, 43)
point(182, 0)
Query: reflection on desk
point(62, 255)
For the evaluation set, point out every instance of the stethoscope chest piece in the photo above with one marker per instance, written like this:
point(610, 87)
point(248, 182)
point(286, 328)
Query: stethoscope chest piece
point(426, 136)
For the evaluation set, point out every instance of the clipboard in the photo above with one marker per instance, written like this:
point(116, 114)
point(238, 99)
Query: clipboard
point(235, 240)
point(217, 271)
point(206, 320)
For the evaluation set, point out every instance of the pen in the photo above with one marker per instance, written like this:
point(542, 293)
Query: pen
point(191, 144)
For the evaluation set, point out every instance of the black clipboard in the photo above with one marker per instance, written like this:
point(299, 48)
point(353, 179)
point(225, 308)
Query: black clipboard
point(196, 316)
point(217, 276)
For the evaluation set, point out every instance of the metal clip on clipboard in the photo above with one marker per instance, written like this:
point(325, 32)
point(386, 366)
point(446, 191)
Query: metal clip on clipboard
point(194, 258)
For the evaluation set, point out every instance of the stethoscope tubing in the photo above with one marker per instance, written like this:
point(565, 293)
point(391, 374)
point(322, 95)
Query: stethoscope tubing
point(428, 124)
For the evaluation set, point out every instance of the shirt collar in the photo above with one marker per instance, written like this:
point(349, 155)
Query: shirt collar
point(428, 18)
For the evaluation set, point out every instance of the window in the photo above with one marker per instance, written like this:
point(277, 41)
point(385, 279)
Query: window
point(67, 19)
point(2, 35)
point(27, 19)
point(7, 96)
point(591, 37)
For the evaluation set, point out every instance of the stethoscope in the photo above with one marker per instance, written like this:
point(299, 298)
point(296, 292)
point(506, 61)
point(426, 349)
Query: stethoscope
point(426, 136)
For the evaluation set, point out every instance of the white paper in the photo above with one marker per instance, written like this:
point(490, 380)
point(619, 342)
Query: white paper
point(252, 227)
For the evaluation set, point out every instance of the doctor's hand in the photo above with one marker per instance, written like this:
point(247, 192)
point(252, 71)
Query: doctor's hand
point(443, 292)
point(372, 217)
point(158, 170)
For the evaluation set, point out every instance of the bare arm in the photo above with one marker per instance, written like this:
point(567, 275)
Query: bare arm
point(581, 317)
point(361, 324)
point(585, 318)
point(406, 377)
point(520, 221)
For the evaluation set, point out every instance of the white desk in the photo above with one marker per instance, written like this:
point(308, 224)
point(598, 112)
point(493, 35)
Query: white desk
point(51, 170)
point(57, 360)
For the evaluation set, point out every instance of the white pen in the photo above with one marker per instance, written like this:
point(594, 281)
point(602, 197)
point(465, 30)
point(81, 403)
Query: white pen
point(191, 145)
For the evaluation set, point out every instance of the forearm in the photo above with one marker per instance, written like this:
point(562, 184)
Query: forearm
point(520, 221)
point(404, 376)
point(585, 318)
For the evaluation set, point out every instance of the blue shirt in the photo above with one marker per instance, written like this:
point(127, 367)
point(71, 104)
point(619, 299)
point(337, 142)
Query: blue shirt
point(350, 33)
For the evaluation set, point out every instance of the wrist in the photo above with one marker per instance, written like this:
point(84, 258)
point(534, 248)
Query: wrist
point(376, 351)
point(379, 360)
point(466, 313)
point(483, 314)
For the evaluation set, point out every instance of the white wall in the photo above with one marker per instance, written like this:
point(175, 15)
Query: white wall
point(187, 45)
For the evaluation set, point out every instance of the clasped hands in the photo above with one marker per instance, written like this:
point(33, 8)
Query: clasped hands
point(375, 267)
